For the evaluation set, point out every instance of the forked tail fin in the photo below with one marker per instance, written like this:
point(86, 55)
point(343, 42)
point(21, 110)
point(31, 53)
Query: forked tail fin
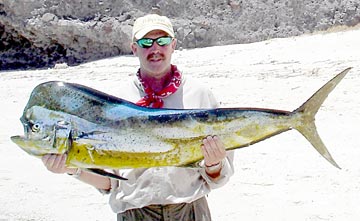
point(308, 110)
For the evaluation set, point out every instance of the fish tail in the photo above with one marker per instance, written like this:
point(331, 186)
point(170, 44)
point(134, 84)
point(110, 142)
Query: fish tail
point(308, 110)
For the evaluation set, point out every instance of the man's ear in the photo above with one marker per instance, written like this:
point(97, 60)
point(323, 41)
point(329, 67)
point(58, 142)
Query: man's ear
point(133, 48)
point(173, 45)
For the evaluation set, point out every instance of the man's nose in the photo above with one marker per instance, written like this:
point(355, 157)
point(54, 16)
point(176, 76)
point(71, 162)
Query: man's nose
point(156, 46)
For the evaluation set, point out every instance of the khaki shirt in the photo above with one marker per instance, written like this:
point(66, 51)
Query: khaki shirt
point(168, 185)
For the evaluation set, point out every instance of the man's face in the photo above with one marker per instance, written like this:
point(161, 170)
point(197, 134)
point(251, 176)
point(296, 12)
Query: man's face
point(154, 61)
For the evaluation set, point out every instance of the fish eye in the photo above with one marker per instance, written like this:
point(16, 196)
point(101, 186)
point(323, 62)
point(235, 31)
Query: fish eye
point(35, 128)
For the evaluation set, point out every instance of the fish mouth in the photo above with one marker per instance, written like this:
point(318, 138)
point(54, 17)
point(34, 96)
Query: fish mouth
point(35, 147)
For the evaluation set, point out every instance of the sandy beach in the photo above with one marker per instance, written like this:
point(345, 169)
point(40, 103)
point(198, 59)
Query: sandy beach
point(282, 178)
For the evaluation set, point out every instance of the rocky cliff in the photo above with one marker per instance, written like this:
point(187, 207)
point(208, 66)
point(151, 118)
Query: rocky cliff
point(41, 33)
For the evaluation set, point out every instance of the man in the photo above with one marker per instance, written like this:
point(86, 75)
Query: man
point(164, 193)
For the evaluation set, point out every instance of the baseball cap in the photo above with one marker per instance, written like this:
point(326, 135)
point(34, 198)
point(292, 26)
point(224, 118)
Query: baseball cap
point(147, 23)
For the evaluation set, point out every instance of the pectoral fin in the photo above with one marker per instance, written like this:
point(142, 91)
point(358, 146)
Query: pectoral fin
point(105, 173)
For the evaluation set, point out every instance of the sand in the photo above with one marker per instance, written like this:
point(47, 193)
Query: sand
point(282, 178)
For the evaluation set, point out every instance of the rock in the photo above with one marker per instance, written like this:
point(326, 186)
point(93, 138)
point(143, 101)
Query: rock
point(47, 17)
point(39, 34)
point(61, 66)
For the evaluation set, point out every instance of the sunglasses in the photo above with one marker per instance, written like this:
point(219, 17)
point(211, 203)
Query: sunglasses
point(148, 42)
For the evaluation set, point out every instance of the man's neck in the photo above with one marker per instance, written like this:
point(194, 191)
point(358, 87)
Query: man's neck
point(157, 83)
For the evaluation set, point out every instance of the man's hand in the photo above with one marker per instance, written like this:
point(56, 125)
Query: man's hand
point(214, 152)
point(56, 163)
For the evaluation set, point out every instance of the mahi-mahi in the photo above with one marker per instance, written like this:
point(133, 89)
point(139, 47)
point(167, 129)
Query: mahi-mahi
point(98, 130)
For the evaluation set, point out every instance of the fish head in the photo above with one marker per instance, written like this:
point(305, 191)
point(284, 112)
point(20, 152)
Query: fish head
point(45, 132)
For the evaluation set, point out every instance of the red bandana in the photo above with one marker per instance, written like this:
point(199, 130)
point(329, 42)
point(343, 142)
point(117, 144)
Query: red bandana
point(154, 99)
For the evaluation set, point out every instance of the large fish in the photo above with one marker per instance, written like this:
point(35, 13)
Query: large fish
point(98, 130)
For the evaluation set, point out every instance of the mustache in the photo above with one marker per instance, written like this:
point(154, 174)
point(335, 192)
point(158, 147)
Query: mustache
point(155, 55)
